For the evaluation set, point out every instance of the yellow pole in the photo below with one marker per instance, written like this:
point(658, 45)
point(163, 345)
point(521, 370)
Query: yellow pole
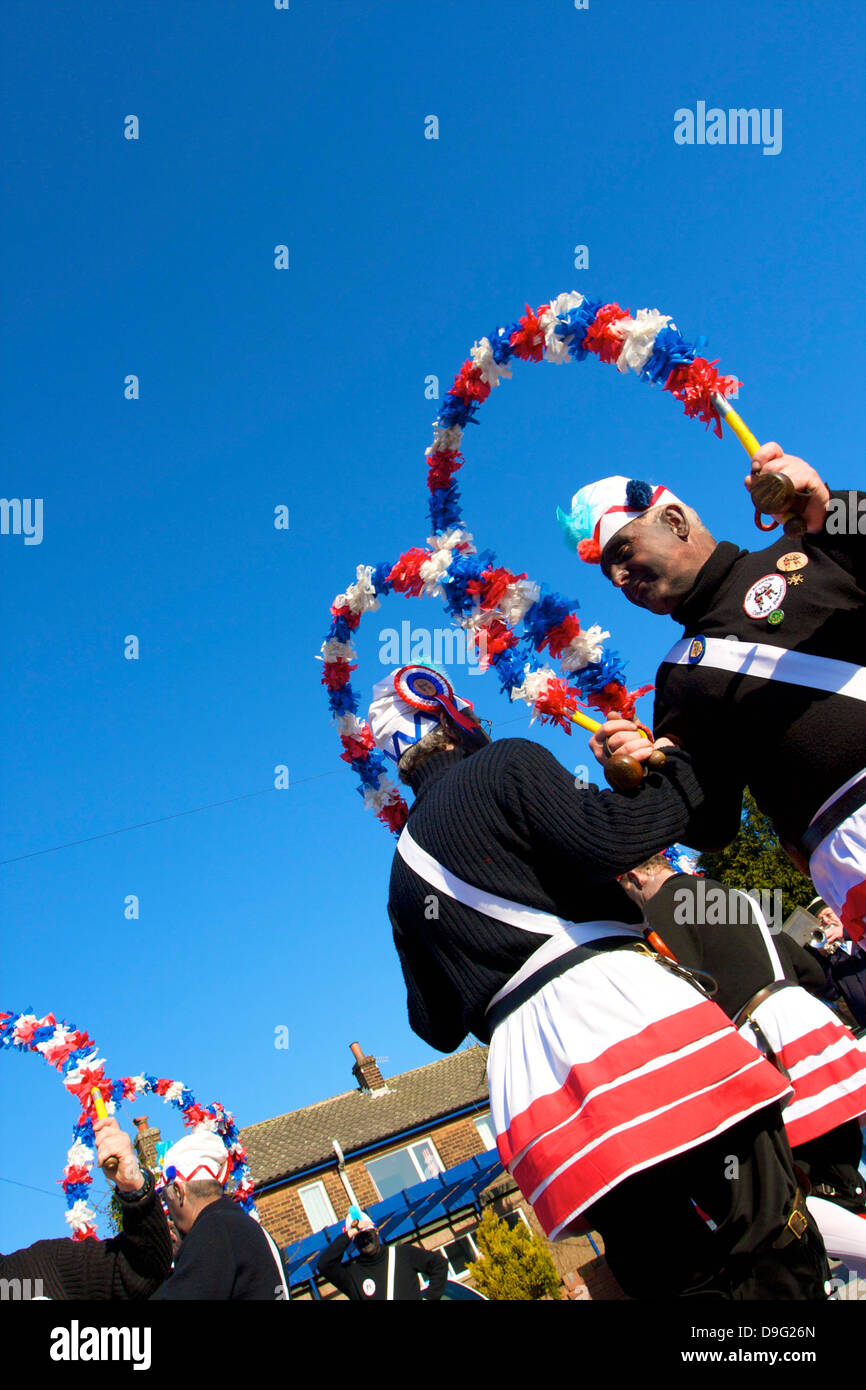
point(593, 725)
point(112, 1163)
point(584, 721)
point(736, 424)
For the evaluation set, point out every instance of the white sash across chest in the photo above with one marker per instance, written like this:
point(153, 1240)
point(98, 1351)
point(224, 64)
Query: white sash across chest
point(768, 663)
point(501, 909)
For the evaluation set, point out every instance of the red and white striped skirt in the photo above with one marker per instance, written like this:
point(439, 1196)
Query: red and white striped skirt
point(822, 1057)
point(608, 1069)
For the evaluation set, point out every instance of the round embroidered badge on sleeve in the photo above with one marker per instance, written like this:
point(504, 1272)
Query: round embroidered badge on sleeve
point(369, 1287)
point(697, 647)
point(765, 595)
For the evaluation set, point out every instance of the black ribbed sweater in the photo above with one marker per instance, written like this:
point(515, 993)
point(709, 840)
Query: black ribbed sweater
point(128, 1266)
point(510, 819)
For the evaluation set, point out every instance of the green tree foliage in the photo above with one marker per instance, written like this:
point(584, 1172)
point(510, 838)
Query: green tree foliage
point(755, 859)
point(115, 1213)
point(516, 1266)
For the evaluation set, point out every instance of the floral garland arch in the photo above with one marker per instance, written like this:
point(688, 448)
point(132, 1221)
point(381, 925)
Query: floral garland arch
point(74, 1055)
point(510, 618)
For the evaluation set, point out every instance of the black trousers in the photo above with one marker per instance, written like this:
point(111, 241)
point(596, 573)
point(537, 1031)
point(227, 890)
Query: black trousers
point(830, 1165)
point(659, 1246)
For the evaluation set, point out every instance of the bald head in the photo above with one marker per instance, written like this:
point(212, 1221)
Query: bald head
point(656, 558)
point(643, 881)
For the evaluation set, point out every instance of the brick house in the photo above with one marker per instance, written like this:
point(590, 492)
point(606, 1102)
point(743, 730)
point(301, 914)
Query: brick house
point(418, 1152)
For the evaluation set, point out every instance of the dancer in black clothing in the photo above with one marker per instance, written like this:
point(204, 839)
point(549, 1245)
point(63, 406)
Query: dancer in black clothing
point(380, 1272)
point(609, 1075)
point(767, 984)
point(770, 668)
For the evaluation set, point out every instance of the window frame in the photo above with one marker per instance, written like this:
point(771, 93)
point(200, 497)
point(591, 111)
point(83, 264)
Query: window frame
point(452, 1274)
point(319, 1186)
point(406, 1148)
point(478, 1119)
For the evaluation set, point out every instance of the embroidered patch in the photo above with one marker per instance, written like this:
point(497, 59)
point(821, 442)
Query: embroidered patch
point(369, 1287)
point(765, 595)
point(794, 560)
point(697, 648)
point(776, 617)
point(795, 579)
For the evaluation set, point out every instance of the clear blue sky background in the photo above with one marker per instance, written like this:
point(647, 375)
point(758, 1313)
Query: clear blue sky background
point(306, 387)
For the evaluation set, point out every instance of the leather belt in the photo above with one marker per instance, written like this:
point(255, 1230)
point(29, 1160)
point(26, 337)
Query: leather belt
point(499, 1011)
point(833, 815)
point(757, 999)
point(519, 995)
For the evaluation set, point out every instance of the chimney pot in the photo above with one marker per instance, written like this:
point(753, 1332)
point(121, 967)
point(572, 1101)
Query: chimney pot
point(366, 1072)
point(145, 1141)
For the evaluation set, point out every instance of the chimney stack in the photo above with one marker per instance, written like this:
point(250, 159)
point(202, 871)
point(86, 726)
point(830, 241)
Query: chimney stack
point(145, 1141)
point(366, 1072)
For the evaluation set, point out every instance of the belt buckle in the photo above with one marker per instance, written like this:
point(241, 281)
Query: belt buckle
point(795, 1227)
point(797, 1223)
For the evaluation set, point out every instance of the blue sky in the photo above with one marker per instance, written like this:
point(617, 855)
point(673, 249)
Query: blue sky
point(305, 387)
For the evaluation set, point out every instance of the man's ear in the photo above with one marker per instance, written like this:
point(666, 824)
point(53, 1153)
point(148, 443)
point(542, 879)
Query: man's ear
point(676, 519)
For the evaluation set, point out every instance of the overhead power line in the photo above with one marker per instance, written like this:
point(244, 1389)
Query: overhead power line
point(194, 811)
point(140, 825)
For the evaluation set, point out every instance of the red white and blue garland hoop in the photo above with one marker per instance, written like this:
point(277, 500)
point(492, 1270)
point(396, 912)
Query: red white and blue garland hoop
point(74, 1055)
point(488, 601)
point(571, 328)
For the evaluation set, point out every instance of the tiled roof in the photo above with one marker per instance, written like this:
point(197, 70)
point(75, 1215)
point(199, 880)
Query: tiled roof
point(290, 1144)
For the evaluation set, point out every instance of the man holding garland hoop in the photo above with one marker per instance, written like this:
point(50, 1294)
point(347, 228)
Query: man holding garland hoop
point(618, 1091)
point(130, 1265)
point(767, 688)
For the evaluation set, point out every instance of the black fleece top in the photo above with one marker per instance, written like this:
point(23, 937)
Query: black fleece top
point(224, 1256)
point(791, 745)
point(511, 820)
point(708, 929)
point(365, 1278)
point(128, 1266)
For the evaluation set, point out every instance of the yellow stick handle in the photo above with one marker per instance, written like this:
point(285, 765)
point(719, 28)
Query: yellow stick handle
point(584, 721)
point(793, 523)
point(112, 1163)
point(593, 725)
point(737, 425)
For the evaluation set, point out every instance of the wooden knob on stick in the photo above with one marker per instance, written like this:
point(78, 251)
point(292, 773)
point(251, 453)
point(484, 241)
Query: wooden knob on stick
point(624, 773)
point(773, 493)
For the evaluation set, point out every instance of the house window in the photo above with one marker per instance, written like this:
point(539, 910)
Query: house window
point(516, 1218)
point(486, 1132)
point(317, 1205)
point(404, 1167)
point(460, 1253)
